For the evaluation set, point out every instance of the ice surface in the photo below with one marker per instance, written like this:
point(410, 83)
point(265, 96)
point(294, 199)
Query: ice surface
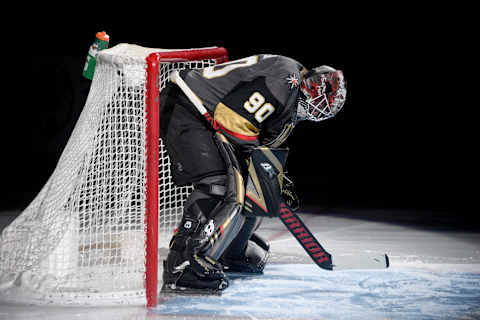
point(435, 274)
point(302, 291)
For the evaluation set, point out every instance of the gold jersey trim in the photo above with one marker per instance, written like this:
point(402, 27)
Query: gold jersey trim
point(232, 121)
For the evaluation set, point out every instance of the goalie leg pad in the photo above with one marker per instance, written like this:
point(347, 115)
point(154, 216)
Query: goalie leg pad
point(249, 252)
point(212, 219)
point(227, 218)
point(253, 259)
point(264, 183)
point(208, 226)
point(186, 265)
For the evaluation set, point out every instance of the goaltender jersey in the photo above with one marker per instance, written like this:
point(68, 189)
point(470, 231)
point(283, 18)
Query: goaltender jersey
point(252, 100)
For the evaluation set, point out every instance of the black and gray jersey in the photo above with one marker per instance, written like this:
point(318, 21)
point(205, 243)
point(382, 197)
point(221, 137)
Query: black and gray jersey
point(252, 100)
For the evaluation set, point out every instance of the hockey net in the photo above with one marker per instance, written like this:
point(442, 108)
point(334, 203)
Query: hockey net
point(90, 235)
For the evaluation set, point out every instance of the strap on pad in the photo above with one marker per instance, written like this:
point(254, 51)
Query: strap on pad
point(212, 189)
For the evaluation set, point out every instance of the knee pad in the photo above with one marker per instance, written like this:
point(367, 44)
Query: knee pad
point(198, 208)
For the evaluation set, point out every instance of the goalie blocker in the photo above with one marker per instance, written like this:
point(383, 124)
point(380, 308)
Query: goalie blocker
point(265, 182)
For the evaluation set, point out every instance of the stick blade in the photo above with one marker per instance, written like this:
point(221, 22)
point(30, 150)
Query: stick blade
point(352, 262)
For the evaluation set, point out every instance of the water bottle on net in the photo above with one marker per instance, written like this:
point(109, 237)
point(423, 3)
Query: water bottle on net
point(101, 42)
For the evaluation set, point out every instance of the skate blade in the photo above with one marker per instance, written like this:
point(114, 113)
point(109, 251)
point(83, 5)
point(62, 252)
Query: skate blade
point(168, 291)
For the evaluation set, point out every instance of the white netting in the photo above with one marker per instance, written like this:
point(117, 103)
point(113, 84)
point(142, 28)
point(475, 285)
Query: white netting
point(82, 239)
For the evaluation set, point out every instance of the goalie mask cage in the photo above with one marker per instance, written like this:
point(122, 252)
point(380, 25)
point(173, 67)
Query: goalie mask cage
point(92, 235)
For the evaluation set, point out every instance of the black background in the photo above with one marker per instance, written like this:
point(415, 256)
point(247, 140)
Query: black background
point(404, 140)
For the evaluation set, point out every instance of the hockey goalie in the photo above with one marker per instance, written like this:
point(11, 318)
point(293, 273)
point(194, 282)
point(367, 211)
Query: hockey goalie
point(233, 157)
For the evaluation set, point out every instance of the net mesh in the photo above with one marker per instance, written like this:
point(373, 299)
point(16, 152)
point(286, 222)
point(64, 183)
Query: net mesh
point(82, 239)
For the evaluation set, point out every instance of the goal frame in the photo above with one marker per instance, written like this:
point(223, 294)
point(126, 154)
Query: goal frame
point(95, 232)
point(220, 55)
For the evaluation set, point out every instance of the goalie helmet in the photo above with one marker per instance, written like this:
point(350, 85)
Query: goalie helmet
point(323, 93)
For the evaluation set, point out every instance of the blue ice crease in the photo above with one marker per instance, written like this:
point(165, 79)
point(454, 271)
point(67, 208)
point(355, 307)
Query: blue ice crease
point(293, 291)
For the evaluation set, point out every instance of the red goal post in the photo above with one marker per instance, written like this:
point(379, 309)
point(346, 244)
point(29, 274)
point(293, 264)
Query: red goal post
point(219, 55)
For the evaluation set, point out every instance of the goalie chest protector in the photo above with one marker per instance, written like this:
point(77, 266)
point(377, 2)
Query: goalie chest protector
point(264, 184)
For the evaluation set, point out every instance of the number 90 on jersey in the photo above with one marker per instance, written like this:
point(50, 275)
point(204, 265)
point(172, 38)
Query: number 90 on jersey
point(256, 105)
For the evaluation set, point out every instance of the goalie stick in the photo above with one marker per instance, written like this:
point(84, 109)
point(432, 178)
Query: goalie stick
point(318, 254)
point(290, 219)
point(306, 239)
